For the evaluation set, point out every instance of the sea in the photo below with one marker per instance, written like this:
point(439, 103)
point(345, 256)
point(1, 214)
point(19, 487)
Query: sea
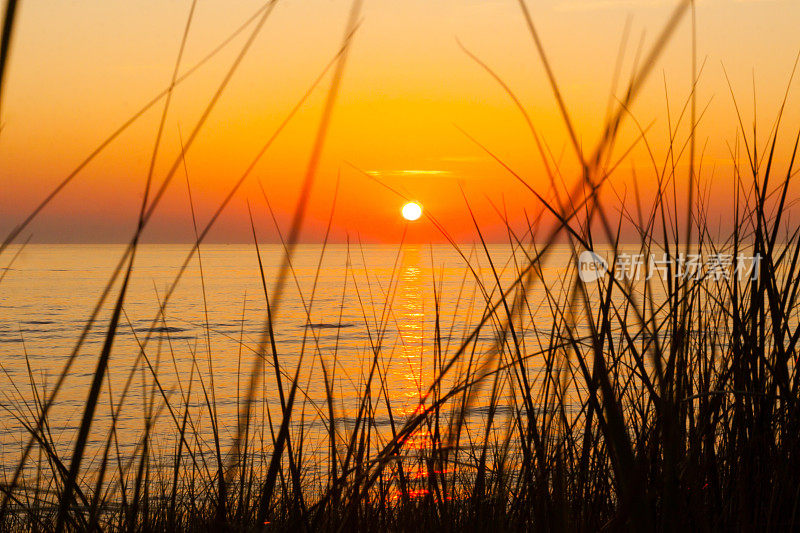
point(208, 338)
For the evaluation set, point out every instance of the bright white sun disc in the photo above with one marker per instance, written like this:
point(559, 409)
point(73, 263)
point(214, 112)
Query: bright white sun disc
point(412, 211)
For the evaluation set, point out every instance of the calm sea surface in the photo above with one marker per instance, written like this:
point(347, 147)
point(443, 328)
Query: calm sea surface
point(376, 317)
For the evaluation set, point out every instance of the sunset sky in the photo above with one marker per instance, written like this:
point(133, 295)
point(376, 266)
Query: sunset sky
point(78, 70)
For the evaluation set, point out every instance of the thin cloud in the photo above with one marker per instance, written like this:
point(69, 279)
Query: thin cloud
point(408, 173)
point(596, 5)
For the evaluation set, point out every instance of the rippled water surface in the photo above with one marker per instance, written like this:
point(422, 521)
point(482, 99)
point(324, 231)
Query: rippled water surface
point(381, 319)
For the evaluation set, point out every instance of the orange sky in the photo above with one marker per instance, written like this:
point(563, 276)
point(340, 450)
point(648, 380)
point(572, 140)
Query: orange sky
point(80, 69)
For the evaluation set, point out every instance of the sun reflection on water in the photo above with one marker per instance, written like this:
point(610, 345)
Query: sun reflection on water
point(408, 369)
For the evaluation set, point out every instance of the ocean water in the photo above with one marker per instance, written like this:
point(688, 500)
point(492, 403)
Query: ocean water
point(377, 319)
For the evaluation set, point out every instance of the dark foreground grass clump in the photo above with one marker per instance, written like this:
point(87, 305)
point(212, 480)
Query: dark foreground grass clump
point(661, 403)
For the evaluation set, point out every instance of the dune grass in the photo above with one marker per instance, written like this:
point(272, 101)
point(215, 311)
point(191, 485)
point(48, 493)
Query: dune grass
point(662, 403)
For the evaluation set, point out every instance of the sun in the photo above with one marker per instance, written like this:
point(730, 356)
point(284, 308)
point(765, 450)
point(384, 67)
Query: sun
point(412, 211)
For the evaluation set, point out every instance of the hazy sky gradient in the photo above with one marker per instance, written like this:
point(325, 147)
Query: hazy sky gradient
point(79, 69)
